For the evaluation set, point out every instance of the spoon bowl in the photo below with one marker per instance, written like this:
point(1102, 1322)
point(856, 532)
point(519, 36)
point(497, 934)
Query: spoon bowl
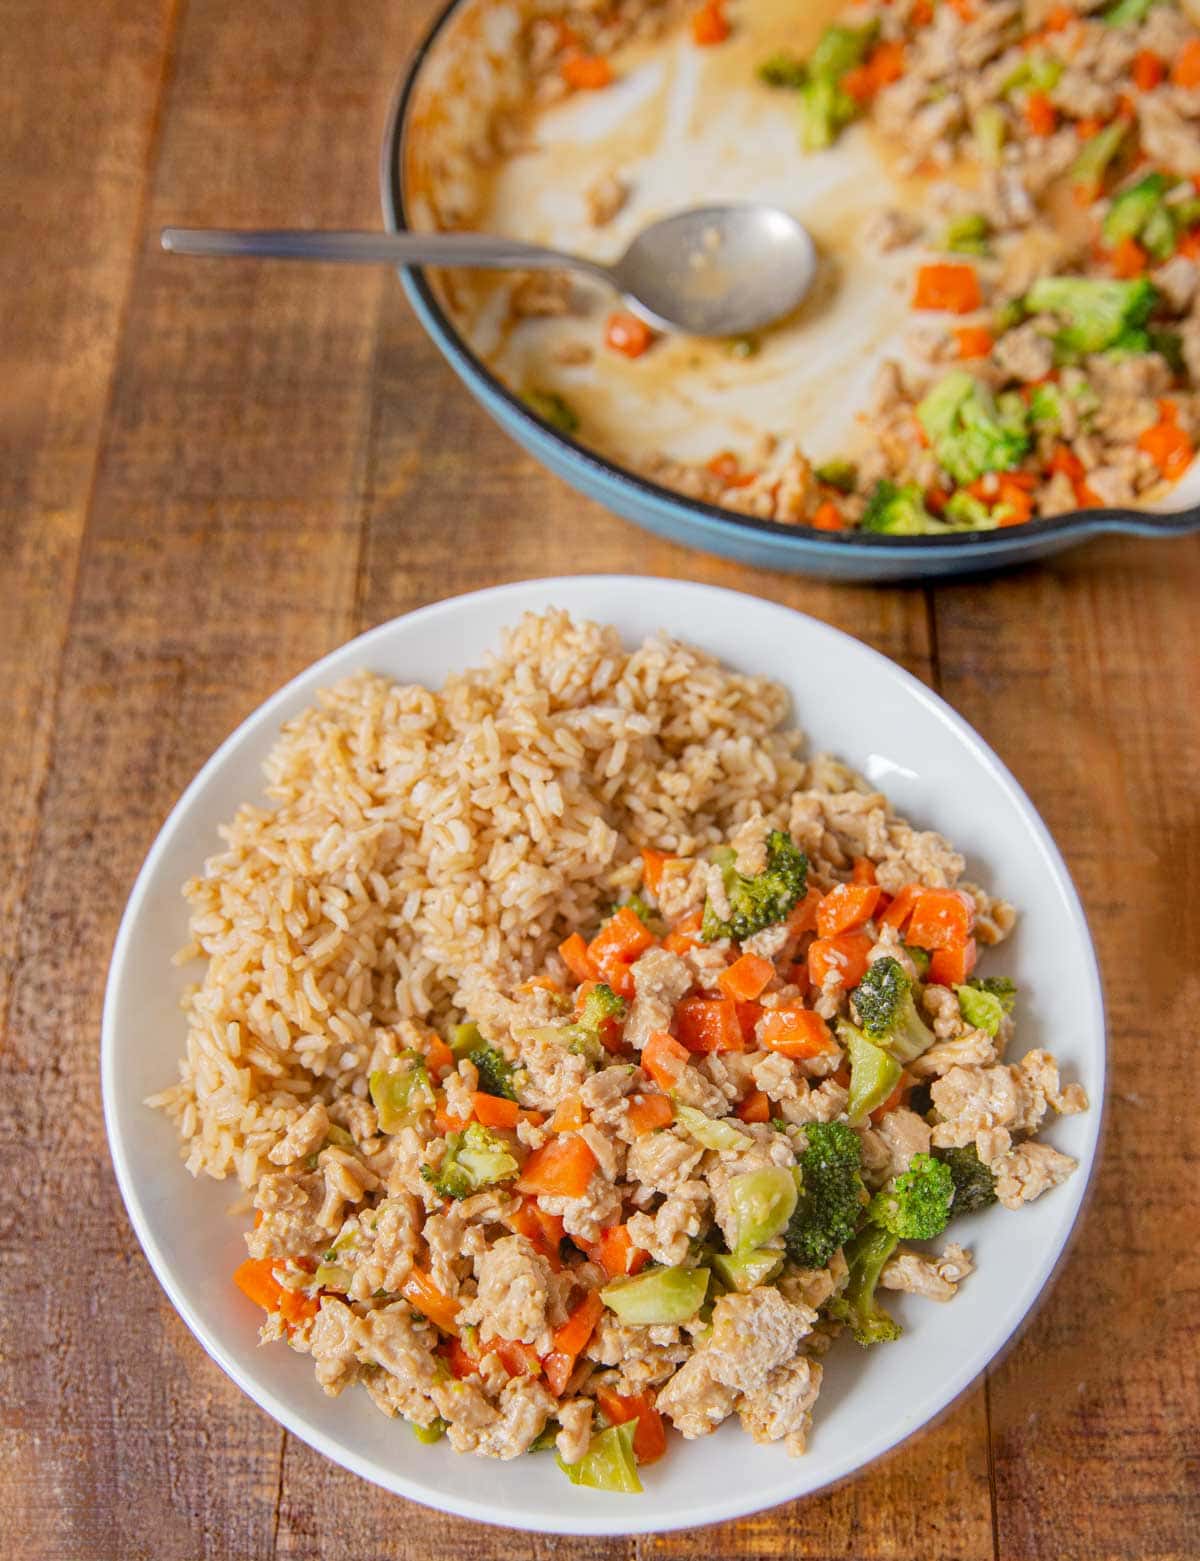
point(710, 271)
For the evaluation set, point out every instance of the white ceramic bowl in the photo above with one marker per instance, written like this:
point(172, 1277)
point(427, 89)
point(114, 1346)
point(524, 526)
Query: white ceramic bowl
point(852, 701)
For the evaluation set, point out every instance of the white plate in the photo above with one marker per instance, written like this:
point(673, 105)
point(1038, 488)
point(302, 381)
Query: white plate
point(851, 701)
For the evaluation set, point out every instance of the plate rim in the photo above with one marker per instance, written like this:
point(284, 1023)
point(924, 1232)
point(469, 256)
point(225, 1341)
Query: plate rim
point(624, 1521)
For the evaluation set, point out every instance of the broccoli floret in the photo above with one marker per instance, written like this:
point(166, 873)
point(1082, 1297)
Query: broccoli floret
point(970, 432)
point(600, 1004)
point(495, 1072)
point(968, 512)
point(900, 512)
point(888, 1013)
point(1091, 165)
point(983, 1004)
point(1096, 312)
point(825, 109)
point(856, 1305)
point(783, 70)
point(916, 1204)
point(967, 234)
point(1139, 213)
point(1126, 12)
point(840, 474)
point(974, 1184)
point(553, 409)
point(760, 901)
point(830, 1205)
point(474, 1158)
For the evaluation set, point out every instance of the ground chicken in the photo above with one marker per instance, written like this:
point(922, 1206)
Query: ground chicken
point(753, 1334)
point(680, 1220)
point(781, 1408)
point(1027, 1171)
point(290, 1206)
point(305, 1136)
point(694, 1401)
point(903, 1134)
point(574, 1429)
point(663, 1161)
point(935, 1278)
point(660, 979)
point(514, 1292)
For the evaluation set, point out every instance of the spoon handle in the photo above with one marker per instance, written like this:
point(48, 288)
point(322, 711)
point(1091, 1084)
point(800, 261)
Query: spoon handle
point(392, 249)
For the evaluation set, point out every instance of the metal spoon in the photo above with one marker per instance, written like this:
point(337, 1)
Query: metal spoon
point(713, 271)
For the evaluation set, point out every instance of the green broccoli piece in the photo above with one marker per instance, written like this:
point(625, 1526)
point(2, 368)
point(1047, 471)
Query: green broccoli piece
point(1132, 212)
point(916, 1204)
point(553, 409)
point(600, 1004)
point(1092, 163)
point(969, 430)
point(967, 234)
point(974, 1184)
point(1126, 12)
point(989, 127)
point(825, 109)
point(1038, 72)
point(887, 1012)
point(866, 1255)
point(760, 901)
point(830, 1205)
point(1096, 312)
point(783, 69)
point(839, 474)
point(475, 1158)
point(983, 1004)
point(1046, 408)
point(968, 512)
point(495, 1072)
point(900, 512)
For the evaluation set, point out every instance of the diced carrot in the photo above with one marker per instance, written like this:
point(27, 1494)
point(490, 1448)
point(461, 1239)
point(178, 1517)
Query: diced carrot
point(568, 1115)
point(544, 1230)
point(795, 1032)
point(256, 1278)
point(797, 975)
point(646, 1112)
point(747, 978)
point(709, 1024)
point(664, 1059)
point(494, 1110)
point(895, 1100)
point(1040, 114)
point(653, 863)
point(1187, 67)
point(616, 1253)
point(964, 8)
point(1169, 447)
point(941, 919)
point(846, 954)
point(420, 1292)
point(710, 24)
point(460, 1361)
point(804, 916)
point(561, 1168)
point(626, 334)
point(650, 1438)
point(949, 287)
point(1065, 460)
point(859, 84)
point(684, 934)
point(574, 954)
point(1148, 70)
point(586, 72)
point(1060, 17)
point(922, 13)
point(748, 1016)
point(1129, 259)
point(827, 517)
point(755, 1107)
point(1189, 244)
point(952, 966)
point(614, 948)
point(862, 870)
point(842, 1075)
point(1085, 129)
point(902, 906)
point(518, 1358)
point(847, 905)
point(442, 1119)
point(570, 1339)
point(974, 341)
point(438, 1055)
point(887, 62)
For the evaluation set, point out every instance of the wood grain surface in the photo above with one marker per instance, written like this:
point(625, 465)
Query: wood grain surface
point(209, 476)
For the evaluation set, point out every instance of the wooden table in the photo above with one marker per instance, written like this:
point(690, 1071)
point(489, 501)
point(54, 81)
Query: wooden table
point(213, 474)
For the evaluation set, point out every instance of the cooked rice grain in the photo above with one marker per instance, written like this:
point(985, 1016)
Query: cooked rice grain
point(420, 849)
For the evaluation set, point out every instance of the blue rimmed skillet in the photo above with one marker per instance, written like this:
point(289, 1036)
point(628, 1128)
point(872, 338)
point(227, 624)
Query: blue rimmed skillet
point(768, 544)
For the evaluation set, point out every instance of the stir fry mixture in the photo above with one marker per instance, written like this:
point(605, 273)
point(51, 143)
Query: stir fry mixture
point(648, 1187)
point(1054, 363)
